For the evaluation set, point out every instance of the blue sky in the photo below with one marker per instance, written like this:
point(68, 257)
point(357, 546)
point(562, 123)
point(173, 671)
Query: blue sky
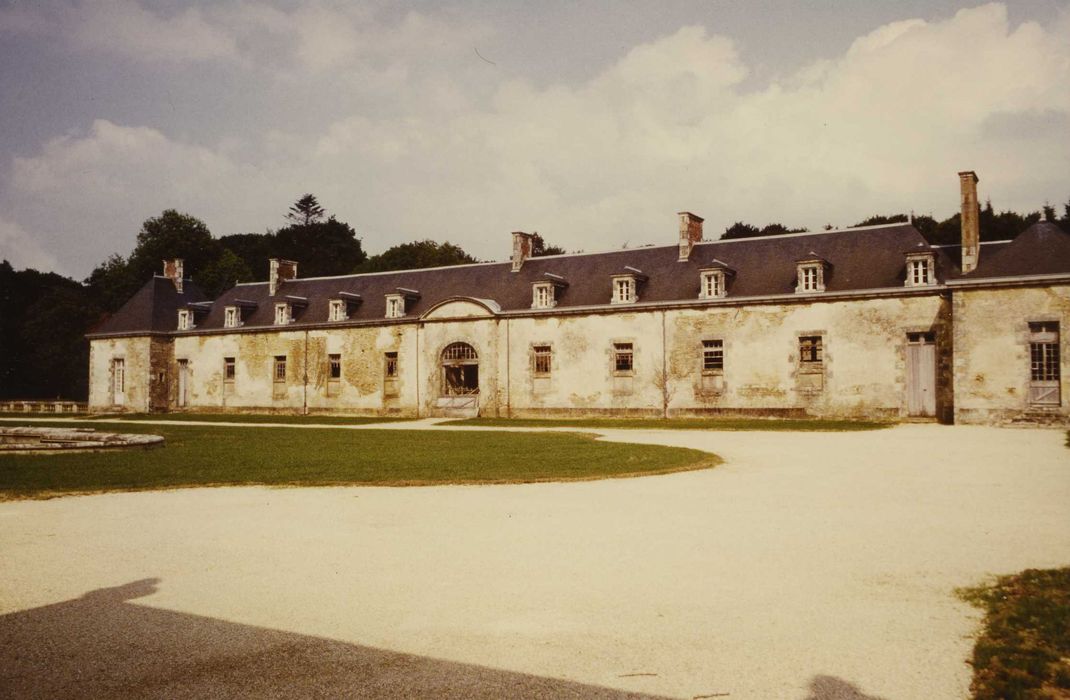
point(592, 123)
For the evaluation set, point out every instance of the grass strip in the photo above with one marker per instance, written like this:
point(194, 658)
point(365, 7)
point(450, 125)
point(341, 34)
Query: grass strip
point(676, 423)
point(1023, 652)
point(252, 418)
point(226, 455)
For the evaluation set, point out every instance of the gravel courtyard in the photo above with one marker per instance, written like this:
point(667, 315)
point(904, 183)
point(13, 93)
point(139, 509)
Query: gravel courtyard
point(809, 566)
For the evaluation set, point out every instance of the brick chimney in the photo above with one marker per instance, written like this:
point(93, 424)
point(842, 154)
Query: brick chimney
point(690, 233)
point(971, 220)
point(172, 270)
point(280, 271)
point(522, 244)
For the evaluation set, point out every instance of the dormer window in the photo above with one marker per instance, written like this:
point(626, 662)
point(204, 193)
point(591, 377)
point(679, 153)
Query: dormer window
point(714, 281)
point(231, 317)
point(810, 275)
point(338, 310)
point(395, 306)
point(920, 270)
point(283, 314)
point(626, 286)
point(542, 296)
point(185, 320)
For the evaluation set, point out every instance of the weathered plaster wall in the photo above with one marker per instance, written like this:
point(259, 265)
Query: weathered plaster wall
point(864, 368)
point(992, 363)
point(483, 335)
point(136, 355)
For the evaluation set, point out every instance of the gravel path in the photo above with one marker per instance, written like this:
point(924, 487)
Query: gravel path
point(809, 566)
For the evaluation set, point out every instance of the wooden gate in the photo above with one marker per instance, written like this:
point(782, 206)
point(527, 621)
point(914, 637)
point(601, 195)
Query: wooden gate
point(921, 374)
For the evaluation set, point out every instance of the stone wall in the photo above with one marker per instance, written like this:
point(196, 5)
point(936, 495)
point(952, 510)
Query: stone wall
point(992, 359)
point(136, 356)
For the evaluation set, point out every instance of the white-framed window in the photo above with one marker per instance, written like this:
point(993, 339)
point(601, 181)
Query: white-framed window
point(713, 284)
point(624, 290)
point(623, 358)
point(229, 369)
point(920, 271)
point(712, 356)
point(1044, 370)
point(542, 296)
point(185, 320)
point(231, 317)
point(541, 360)
point(338, 310)
point(279, 369)
point(118, 375)
point(395, 305)
point(811, 277)
point(283, 316)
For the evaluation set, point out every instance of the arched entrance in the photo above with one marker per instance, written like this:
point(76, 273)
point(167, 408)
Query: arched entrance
point(460, 370)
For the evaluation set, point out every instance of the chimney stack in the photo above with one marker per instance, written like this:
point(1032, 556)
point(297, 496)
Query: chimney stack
point(280, 271)
point(172, 270)
point(971, 220)
point(522, 245)
point(690, 233)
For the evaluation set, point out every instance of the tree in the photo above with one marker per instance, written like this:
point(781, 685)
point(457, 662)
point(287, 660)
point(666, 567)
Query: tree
point(740, 230)
point(408, 256)
point(321, 248)
point(305, 211)
point(879, 219)
point(539, 247)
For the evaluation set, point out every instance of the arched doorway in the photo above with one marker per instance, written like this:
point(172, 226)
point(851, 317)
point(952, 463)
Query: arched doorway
point(460, 370)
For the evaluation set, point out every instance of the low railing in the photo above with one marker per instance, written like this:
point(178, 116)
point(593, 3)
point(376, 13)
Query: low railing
point(42, 406)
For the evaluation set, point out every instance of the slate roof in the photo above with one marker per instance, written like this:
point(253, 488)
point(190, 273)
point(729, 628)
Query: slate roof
point(1042, 249)
point(860, 260)
point(154, 308)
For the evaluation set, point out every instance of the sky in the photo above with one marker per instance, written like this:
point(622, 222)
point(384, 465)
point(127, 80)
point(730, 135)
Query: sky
point(592, 123)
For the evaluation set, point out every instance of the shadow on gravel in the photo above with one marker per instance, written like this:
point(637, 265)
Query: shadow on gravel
point(832, 688)
point(102, 646)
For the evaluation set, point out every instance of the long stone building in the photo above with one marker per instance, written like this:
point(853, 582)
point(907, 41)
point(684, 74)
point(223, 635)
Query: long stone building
point(869, 322)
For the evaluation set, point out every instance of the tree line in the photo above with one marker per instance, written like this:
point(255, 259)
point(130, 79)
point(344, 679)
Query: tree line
point(44, 316)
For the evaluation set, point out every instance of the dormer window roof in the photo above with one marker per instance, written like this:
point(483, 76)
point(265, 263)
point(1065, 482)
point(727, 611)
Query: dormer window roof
point(811, 272)
point(187, 317)
point(185, 320)
point(713, 280)
point(626, 285)
point(341, 304)
point(921, 269)
point(544, 291)
point(397, 304)
point(234, 314)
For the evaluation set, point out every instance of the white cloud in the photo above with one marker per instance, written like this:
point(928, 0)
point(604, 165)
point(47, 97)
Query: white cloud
point(22, 251)
point(883, 127)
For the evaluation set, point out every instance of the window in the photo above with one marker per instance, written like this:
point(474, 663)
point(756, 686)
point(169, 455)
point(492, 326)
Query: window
point(809, 279)
point(228, 369)
point(810, 351)
point(542, 296)
point(1044, 373)
point(282, 314)
point(622, 357)
point(810, 275)
point(541, 359)
point(280, 368)
point(185, 319)
point(118, 374)
point(712, 285)
point(395, 306)
point(334, 366)
point(338, 311)
point(391, 365)
point(920, 270)
point(231, 317)
point(623, 290)
point(712, 356)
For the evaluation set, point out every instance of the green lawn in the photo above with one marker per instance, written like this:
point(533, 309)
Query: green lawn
point(1024, 650)
point(222, 455)
point(251, 418)
point(676, 423)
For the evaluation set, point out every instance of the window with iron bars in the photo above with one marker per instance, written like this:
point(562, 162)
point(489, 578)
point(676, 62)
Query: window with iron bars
point(712, 356)
point(622, 357)
point(280, 368)
point(334, 366)
point(811, 352)
point(541, 357)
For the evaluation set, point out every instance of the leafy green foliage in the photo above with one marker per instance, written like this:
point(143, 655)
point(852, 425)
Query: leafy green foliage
point(305, 211)
point(219, 455)
point(321, 248)
point(1024, 650)
point(742, 230)
point(539, 247)
point(409, 256)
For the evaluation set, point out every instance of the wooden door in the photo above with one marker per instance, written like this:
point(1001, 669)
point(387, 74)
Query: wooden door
point(921, 374)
